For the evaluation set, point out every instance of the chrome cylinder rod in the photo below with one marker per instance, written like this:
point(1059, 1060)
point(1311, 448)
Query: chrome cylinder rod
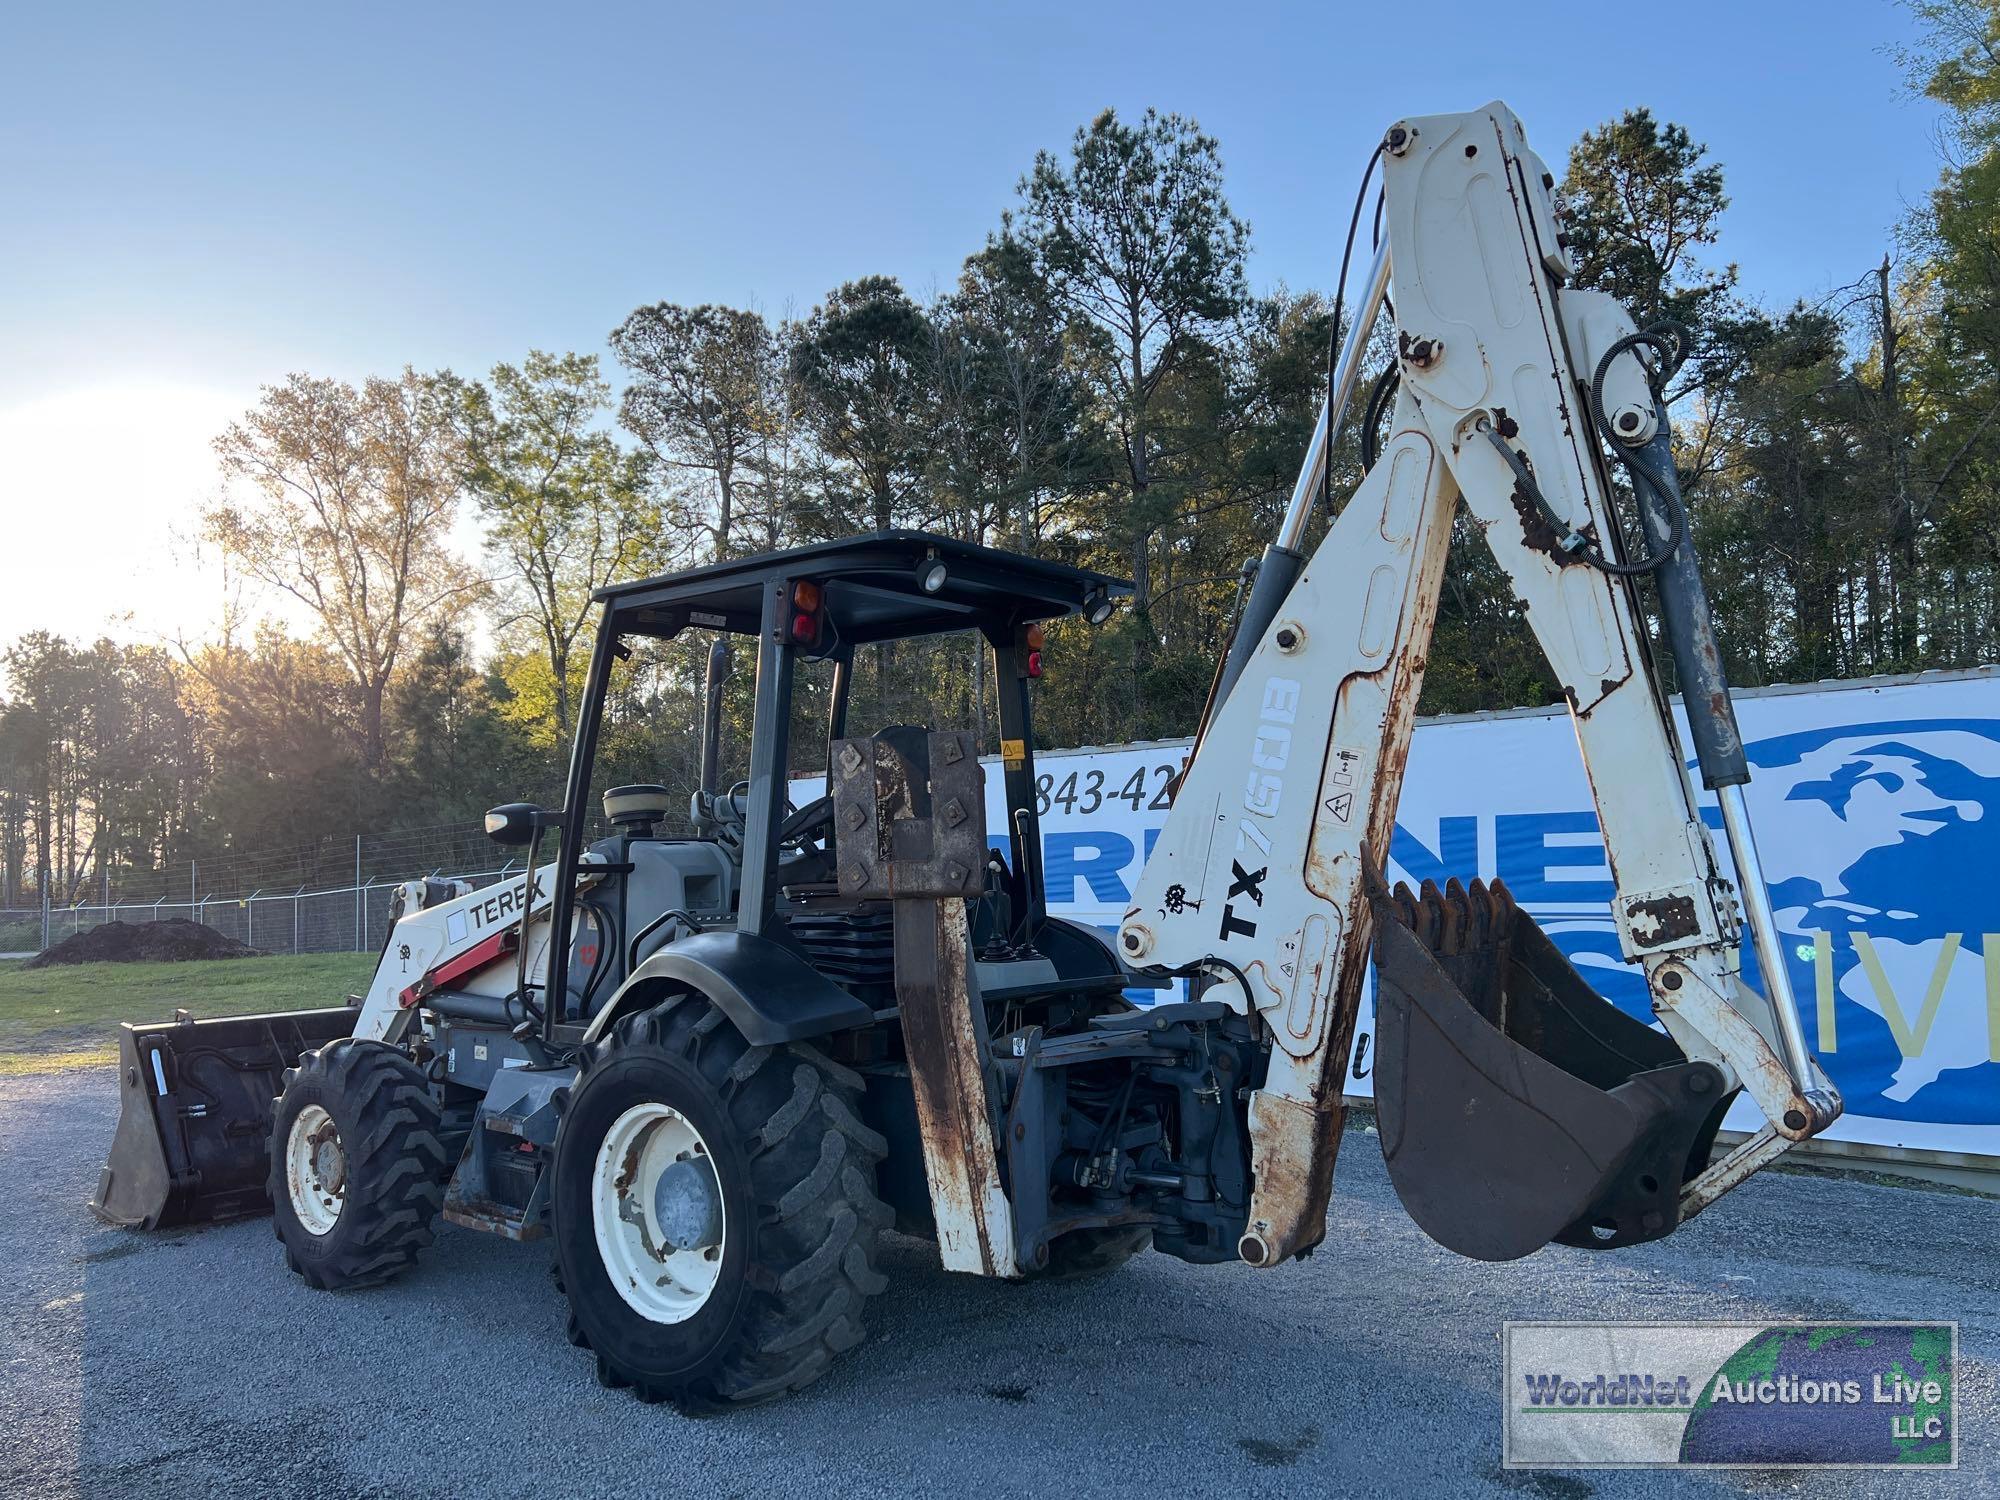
point(1283, 558)
point(1771, 963)
point(1346, 371)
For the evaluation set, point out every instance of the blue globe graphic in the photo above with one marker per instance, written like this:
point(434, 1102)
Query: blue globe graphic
point(1828, 1432)
point(1889, 831)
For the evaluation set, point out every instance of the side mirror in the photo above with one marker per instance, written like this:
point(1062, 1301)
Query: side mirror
point(515, 823)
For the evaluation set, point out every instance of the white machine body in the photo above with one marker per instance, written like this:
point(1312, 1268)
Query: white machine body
point(1258, 871)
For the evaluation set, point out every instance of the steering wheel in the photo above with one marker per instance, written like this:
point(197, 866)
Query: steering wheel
point(734, 804)
point(808, 823)
point(799, 824)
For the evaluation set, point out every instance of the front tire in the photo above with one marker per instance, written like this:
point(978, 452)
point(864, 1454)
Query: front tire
point(357, 1170)
point(744, 1273)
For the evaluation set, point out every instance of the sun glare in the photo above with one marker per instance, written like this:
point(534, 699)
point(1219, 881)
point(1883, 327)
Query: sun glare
point(110, 479)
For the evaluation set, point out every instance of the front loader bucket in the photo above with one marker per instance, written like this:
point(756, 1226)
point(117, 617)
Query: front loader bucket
point(1517, 1105)
point(194, 1121)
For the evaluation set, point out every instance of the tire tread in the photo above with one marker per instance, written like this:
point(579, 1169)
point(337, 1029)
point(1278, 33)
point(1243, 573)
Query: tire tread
point(395, 1157)
point(820, 1218)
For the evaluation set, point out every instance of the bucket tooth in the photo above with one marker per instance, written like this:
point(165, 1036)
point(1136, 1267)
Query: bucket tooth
point(1436, 936)
point(1451, 915)
point(1516, 1105)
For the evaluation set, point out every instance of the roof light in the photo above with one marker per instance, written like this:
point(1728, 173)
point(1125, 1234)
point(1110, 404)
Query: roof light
point(1097, 607)
point(931, 574)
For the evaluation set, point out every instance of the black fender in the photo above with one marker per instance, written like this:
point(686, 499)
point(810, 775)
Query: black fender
point(768, 992)
point(1080, 952)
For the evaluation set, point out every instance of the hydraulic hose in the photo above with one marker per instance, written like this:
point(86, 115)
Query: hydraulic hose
point(1380, 399)
point(1670, 341)
point(1339, 305)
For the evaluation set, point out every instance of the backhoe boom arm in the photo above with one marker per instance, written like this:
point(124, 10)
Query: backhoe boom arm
point(1262, 876)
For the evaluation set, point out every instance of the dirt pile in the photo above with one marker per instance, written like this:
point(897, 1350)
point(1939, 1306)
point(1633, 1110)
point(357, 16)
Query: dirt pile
point(175, 940)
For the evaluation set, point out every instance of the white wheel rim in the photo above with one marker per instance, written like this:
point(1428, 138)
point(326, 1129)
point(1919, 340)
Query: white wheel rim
point(657, 1281)
point(315, 1170)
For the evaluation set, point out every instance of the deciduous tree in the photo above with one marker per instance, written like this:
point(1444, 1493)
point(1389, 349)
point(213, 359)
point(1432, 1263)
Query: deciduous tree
point(566, 510)
point(699, 399)
point(344, 501)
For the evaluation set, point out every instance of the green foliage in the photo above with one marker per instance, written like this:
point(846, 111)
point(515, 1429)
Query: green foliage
point(1136, 243)
point(96, 747)
point(1143, 262)
point(287, 745)
point(343, 500)
point(456, 749)
point(1954, 297)
point(704, 384)
point(1098, 386)
point(566, 510)
point(859, 362)
point(1638, 203)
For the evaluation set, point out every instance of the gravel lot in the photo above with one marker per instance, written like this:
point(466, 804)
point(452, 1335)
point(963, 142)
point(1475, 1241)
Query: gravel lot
point(192, 1364)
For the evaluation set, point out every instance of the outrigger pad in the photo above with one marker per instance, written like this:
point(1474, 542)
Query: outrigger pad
point(194, 1119)
point(1517, 1105)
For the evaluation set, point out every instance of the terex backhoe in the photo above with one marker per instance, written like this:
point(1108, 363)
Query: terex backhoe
point(755, 1049)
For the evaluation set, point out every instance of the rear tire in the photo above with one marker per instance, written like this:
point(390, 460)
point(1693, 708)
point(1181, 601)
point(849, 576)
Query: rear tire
point(357, 1170)
point(794, 1171)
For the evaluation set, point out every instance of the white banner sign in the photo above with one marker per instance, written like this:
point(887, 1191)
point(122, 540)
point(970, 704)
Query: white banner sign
point(1877, 810)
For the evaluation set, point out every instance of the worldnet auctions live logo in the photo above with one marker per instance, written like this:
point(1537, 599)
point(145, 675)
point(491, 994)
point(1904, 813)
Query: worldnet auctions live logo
point(1730, 1395)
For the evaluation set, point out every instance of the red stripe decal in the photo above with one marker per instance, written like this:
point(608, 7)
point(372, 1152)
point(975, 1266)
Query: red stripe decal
point(471, 961)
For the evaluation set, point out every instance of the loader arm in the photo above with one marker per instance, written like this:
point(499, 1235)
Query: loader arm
point(1262, 877)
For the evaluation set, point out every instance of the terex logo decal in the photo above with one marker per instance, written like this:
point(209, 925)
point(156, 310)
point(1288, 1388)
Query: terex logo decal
point(1262, 793)
point(501, 907)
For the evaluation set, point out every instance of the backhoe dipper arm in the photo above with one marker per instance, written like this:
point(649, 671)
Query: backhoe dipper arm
point(1260, 868)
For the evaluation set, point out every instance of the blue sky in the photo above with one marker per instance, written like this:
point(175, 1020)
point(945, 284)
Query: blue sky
point(200, 198)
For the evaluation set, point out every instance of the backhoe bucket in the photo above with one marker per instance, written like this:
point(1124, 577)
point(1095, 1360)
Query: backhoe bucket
point(194, 1121)
point(1517, 1105)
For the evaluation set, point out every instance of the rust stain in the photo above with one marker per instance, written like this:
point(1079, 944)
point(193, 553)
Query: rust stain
point(1537, 535)
point(1296, 1133)
point(1662, 919)
point(1292, 1162)
point(493, 1218)
point(628, 1171)
point(960, 1159)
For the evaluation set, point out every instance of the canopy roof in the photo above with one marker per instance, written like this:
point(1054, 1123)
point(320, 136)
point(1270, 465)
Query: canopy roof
point(871, 589)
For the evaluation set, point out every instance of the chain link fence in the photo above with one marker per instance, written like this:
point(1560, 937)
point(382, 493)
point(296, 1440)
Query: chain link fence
point(329, 896)
point(341, 919)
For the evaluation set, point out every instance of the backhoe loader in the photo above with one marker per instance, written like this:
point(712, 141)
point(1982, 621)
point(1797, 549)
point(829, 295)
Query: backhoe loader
point(756, 1049)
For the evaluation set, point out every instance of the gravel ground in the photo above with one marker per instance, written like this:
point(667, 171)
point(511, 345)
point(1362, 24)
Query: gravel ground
point(191, 1363)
